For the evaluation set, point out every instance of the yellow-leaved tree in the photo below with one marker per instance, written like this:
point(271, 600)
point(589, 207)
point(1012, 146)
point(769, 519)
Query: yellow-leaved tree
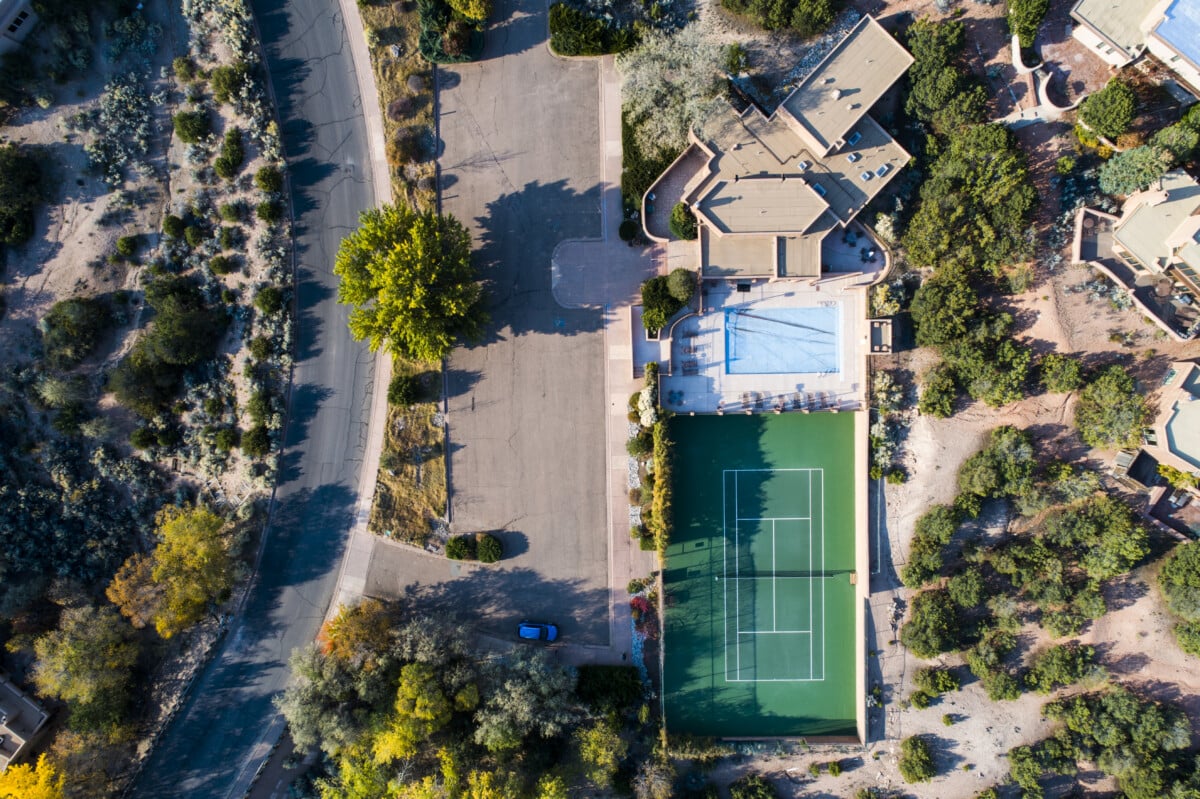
point(409, 276)
point(421, 710)
point(42, 780)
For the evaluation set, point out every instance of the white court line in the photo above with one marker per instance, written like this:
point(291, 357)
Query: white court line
point(725, 570)
point(737, 586)
point(774, 519)
point(821, 494)
point(774, 612)
point(810, 587)
point(777, 632)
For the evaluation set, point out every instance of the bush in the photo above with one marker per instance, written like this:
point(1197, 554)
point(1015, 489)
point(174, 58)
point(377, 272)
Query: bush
point(938, 393)
point(835, 768)
point(143, 438)
point(752, 786)
point(806, 17)
point(261, 348)
point(191, 126)
point(269, 300)
point(259, 406)
point(640, 445)
point(659, 304)
point(269, 180)
point(194, 235)
point(683, 222)
point(227, 438)
point(229, 238)
point(226, 80)
point(472, 10)
point(73, 329)
point(173, 226)
point(1059, 666)
point(269, 211)
point(404, 390)
point(1024, 19)
point(20, 193)
point(185, 70)
point(1187, 635)
point(628, 230)
point(233, 155)
point(1179, 581)
point(639, 168)
point(461, 547)
point(489, 548)
point(916, 759)
point(1109, 111)
point(574, 32)
point(1111, 413)
point(256, 442)
point(1060, 373)
point(933, 626)
point(1133, 170)
point(127, 246)
point(233, 212)
point(936, 682)
point(222, 265)
point(681, 284)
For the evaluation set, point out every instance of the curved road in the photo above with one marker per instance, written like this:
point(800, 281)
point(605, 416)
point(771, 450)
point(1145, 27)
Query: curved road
point(228, 723)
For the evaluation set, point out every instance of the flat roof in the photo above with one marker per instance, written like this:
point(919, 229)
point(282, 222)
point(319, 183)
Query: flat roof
point(1118, 21)
point(783, 204)
point(856, 173)
point(736, 256)
point(1180, 28)
point(844, 86)
point(1145, 231)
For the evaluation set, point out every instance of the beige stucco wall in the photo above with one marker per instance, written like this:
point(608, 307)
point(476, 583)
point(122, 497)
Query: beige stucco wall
point(1099, 47)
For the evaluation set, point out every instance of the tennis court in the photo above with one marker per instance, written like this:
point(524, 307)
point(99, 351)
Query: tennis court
point(760, 625)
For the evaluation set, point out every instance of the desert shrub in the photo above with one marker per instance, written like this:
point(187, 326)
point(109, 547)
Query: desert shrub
point(916, 759)
point(1179, 581)
point(461, 547)
point(227, 438)
point(489, 548)
point(933, 626)
point(1109, 111)
point(985, 659)
point(127, 246)
point(222, 265)
point(194, 235)
point(683, 222)
point(403, 390)
point(233, 155)
point(575, 32)
point(1059, 666)
point(185, 70)
point(269, 211)
point(938, 393)
point(1060, 373)
point(752, 786)
point(269, 180)
point(72, 329)
point(261, 348)
point(935, 682)
point(1187, 635)
point(226, 79)
point(806, 17)
point(143, 438)
point(191, 126)
point(256, 442)
point(966, 588)
point(930, 534)
point(269, 300)
point(173, 226)
point(1111, 412)
point(233, 212)
point(1003, 468)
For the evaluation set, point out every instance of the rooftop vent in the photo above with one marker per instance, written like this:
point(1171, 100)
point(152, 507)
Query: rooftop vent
point(837, 94)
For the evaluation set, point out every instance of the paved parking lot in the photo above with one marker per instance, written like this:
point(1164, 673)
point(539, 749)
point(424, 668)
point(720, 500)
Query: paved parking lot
point(520, 166)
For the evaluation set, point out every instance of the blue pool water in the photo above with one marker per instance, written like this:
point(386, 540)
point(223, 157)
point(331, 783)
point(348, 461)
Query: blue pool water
point(765, 341)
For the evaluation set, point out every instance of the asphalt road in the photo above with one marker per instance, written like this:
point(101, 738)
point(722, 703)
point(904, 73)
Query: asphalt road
point(520, 166)
point(220, 735)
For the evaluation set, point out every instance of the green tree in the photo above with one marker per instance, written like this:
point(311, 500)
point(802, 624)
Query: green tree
point(227, 80)
point(601, 749)
point(534, 697)
point(975, 203)
point(1178, 479)
point(1178, 140)
point(966, 588)
point(1060, 373)
point(916, 759)
point(1024, 19)
point(1111, 413)
point(20, 193)
point(1109, 111)
point(935, 681)
point(72, 329)
point(752, 786)
point(86, 662)
point(191, 126)
point(269, 180)
point(1179, 581)
point(1059, 666)
point(1004, 467)
point(410, 279)
point(944, 309)
point(192, 564)
point(1134, 170)
point(681, 284)
point(933, 626)
point(938, 392)
point(806, 17)
point(42, 780)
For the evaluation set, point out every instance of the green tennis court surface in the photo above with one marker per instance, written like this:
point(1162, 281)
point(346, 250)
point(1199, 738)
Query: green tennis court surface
point(759, 629)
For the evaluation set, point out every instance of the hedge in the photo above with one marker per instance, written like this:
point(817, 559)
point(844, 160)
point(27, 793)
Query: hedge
point(659, 523)
point(574, 33)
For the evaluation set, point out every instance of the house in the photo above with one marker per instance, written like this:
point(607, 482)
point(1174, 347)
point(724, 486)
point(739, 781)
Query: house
point(1121, 32)
point(1152, 249)
point(17, 18)
point(767, 190)
point(1174, 439)
point(21, 719)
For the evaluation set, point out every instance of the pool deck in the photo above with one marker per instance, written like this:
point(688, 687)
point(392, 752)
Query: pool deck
point(694, 377)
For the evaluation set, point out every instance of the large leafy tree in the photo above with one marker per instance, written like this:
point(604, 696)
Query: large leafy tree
point(1111, 412)
point(409, 276)
point(534, 697)
point(976, 203)
point(942, 91)
point(1025, 17)
point(422, 709)
point(42, 780)
point(1134, 170)
point(86, 662)
point(1109, 111)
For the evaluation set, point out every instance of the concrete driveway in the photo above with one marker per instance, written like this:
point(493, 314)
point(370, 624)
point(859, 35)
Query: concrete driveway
point(226, 728)
point(520, 166)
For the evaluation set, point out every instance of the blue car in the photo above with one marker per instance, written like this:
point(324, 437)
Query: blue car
point(532, 631)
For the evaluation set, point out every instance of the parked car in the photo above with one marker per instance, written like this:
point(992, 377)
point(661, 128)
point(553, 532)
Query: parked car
point(533, 631)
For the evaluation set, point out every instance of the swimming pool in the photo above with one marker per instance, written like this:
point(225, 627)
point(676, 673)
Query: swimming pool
point(763, 341)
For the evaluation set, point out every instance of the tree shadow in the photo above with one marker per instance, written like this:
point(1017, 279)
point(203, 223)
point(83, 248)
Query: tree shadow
point(312, 294)
point(1123, 591)
point(1126, 664)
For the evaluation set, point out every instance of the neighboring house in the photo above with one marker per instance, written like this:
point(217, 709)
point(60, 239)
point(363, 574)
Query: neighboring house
point(1175, 437)
point(1152, 249)
point(20, 720)
point(17, 18)
point(1121, 31)
point(767, 190)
